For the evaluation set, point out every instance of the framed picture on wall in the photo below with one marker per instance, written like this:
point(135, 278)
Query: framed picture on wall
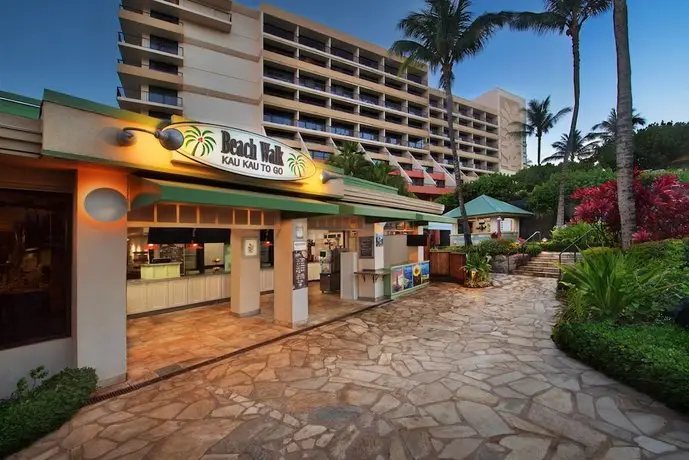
point(250, 247)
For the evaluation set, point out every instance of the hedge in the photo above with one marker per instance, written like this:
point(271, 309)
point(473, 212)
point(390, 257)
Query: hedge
point(653, 358)
point(43, 409)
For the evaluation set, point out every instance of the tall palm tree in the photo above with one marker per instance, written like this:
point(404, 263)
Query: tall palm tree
point(624, 140)
point(568, 17)
point(441, 35)
point(580, 149)
point(350, 159)
point(606, 130)
point(539, 121)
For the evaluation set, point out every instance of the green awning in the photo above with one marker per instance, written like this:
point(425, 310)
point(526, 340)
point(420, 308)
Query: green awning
point(155, 190)
point(375, 213)
point(425, 217)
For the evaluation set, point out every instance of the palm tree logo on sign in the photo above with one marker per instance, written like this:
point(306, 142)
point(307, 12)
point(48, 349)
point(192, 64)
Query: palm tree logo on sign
point(203, 139)
point(296, 164)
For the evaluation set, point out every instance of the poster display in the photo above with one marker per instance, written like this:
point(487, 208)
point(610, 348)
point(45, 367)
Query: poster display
point(407, 277)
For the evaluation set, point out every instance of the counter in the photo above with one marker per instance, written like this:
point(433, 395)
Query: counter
point(147, 295)
point(160, 271)
point(314, 271)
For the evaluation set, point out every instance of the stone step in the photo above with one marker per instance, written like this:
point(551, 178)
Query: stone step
point(528, 268)
point(537, 274)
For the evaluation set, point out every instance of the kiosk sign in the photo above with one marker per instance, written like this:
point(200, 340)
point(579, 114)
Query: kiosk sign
point(242, 152)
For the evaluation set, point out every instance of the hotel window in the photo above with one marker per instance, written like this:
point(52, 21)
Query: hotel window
point(406, 166)
point(344, 130)
point(282, 118)
point(278, 74)
point(368, 134)
point(164, 44)
point(312, 123)
point(440, 183)
point(163, 67)
point(163, 95)
point(164, 17)
point(310, 82)
point(342, 91)
point(35, 266)
point(417, 181)
point(318, 155)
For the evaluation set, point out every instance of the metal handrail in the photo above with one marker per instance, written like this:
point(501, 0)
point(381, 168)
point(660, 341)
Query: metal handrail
point(523, 245)
point(572, 244)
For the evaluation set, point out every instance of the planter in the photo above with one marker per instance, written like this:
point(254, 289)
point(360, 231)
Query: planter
point(446, 265)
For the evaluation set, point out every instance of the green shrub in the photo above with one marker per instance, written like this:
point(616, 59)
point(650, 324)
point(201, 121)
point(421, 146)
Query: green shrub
point(653, 359)
point(478, 268)
point(497, 247)
point(613, 289)
point(533, 249)
point(598, 250)
point(33, 413)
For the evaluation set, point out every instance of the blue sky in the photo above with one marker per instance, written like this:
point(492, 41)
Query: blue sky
point(71, 46)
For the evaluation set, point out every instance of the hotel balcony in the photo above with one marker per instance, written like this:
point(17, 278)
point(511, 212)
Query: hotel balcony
point(134, 48)
point(187, 10)
point(137, 100)
point(138, 22)
point(133, 75)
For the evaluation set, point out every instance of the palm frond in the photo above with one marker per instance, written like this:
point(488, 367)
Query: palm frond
point(541, 23)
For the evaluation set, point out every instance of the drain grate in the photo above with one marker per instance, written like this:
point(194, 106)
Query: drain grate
point(175, 369)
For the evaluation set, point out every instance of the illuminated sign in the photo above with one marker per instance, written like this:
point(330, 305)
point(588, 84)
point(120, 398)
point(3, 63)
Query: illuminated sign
point(242, 152)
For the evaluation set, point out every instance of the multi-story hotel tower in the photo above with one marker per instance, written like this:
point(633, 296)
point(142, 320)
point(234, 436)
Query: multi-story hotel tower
point(309, 86)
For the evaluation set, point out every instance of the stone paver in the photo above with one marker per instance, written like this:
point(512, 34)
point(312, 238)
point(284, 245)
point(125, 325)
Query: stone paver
point(448, 372)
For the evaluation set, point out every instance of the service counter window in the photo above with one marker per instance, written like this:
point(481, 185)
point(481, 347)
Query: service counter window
point(35, 266)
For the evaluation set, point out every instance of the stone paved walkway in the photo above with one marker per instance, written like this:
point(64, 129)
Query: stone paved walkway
point(446, 373)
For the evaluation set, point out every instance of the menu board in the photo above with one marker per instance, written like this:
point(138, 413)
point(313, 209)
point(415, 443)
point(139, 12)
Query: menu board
point(366, 247)
point(300, 277)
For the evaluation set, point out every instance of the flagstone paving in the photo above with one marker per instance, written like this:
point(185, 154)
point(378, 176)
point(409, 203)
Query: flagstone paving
point(446, 373)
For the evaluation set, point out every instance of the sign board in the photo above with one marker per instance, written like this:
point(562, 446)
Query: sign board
point(300, 277)
point(242, 152)
point(366, 247)
point(299, 246)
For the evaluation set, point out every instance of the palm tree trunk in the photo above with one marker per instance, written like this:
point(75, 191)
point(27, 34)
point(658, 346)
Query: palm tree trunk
point(540, 138)
point(459, 193)
point(560, 220)
point(625, 126)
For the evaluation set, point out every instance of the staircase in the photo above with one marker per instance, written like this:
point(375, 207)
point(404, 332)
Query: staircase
point(544, 265)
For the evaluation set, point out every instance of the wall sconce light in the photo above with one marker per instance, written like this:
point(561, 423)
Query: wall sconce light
point(327, 176)
point(105, 205)
point(170, 139)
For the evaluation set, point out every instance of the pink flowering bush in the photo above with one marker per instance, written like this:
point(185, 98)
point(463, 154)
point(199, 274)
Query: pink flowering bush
point(662, 208)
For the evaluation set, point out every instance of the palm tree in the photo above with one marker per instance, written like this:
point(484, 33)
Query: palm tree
point(350, 159)
point(580, 149)
point(441, 35)
point(568, 17)
point(606, 130)
point(624, 132)
point(539, 121)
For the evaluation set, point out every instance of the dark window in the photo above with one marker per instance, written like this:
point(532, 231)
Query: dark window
point(164, 44)
point(278, 31)
point(312, 123)
point(341, 69)
point(368, 134)
point(278, 49)
point(342, 53)
point(283, 118)
point(406, 166)
point(310, 42)
point(310, 82)
point(369, 98)
point(345, 130)
point(416, 180)
point(160, 114)
point(35, 266)
point(342, 91)
point(161, 95)
point(163, 67)
point(318, 155)
point(164, 17)
point(440, 183)
point(278, 74)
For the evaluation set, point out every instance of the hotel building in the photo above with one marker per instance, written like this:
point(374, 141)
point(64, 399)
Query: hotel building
point(309, 86)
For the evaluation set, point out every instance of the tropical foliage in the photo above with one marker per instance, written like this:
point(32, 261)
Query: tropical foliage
point(478, 268)
point(579, 148)
point(539, 121)
point(606, 130)
point(441, 35)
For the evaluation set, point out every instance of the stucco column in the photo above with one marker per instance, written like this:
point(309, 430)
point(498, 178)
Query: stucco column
point(245, 277)
point(291, 303)
point(99, 282)
point(368, 289)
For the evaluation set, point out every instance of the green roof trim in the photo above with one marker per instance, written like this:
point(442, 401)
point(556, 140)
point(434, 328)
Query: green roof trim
point(217, 196)
point(96, 107)
point(21, 106)
point(426, 217)
point(375, 213)
point(484, 206)
point(355, 181)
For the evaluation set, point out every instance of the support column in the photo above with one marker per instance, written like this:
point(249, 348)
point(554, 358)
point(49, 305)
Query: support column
point(245, 277)
point(291, 302)
point(368, 289)
point(99, 283)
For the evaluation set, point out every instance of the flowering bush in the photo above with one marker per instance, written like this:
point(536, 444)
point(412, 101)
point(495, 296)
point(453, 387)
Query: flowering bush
point(662, 208)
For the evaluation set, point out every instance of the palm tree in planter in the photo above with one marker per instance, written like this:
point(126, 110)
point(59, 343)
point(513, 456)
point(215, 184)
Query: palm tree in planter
point(539, 121)
point(441, 35)
point(563, 17)
point(581, 148)
point(350, 158)
point(606, 130)
point(624, 126)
